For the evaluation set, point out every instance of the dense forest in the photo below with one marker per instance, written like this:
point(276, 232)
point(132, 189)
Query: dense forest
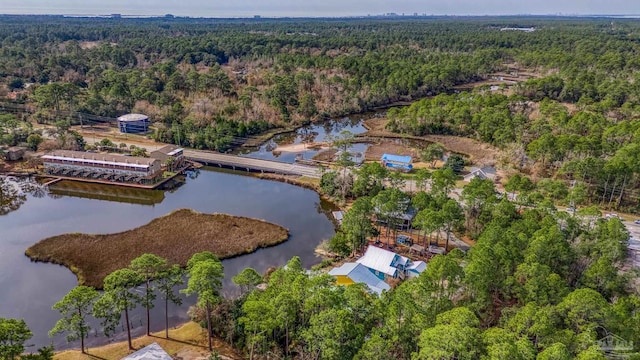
point(592, 148)
point(208, 82)
point(211, 83)
point(538, 283)
point(578, 120)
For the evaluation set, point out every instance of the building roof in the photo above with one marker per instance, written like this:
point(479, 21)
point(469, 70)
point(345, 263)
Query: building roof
point(416, 247)
point(404, 260)
point(417, 266)
point(379, 259)
point(104, 159)
point(338, 215)
point(133, 117)
point(360, 274)
point(150, 352)
point(407, 215)
point(396, 158)
point(170, 150)
point(16, 149)
point(487, 172)
point(436, 249)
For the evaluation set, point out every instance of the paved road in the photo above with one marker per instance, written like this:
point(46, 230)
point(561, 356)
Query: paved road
point(245, 163)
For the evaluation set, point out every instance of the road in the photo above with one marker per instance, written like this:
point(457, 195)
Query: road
point(246, 163)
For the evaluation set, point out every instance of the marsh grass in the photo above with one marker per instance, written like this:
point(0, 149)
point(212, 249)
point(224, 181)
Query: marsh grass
point(175, 236)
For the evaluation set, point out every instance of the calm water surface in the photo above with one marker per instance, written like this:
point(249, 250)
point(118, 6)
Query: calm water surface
point(28, 290)
point(312, 133)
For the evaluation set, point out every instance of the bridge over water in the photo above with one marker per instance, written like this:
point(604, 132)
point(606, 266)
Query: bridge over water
point(236, 162)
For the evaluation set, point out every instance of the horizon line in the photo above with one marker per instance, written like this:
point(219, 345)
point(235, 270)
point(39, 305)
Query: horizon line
point(262, 17)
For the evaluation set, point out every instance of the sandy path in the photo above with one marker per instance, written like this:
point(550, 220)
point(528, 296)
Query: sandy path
point(301, 147)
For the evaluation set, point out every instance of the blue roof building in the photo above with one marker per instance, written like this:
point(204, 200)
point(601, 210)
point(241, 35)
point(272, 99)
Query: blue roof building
point(397, 162)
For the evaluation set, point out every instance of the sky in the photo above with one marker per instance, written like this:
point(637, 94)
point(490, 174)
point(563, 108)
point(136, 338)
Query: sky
point(319, 8)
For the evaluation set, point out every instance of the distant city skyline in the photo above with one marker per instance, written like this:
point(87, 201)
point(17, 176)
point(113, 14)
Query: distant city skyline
point(324, 8)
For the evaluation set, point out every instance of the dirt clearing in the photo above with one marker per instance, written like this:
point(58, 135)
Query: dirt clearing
point(479, 152)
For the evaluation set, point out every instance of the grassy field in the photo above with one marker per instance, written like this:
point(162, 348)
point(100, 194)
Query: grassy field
point(175, 236)
point(187, 342)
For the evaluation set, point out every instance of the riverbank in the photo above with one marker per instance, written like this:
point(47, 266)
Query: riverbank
point(175, 236)
point(188, 341)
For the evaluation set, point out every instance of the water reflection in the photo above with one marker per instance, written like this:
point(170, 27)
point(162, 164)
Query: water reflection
point(31, 213)
point(107, 192)
point(30, 289)
point(312, 133)
point(14, 191)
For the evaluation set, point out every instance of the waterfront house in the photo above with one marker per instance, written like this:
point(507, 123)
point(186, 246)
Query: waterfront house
point(402, 219)
point(385, 264)
point(109, 167)
point(353, 272)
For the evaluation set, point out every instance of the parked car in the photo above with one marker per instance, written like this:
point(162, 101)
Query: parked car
point(405, 240)
point(637, 222)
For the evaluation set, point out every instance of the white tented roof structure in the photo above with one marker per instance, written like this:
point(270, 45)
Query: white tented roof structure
point(151, 352)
